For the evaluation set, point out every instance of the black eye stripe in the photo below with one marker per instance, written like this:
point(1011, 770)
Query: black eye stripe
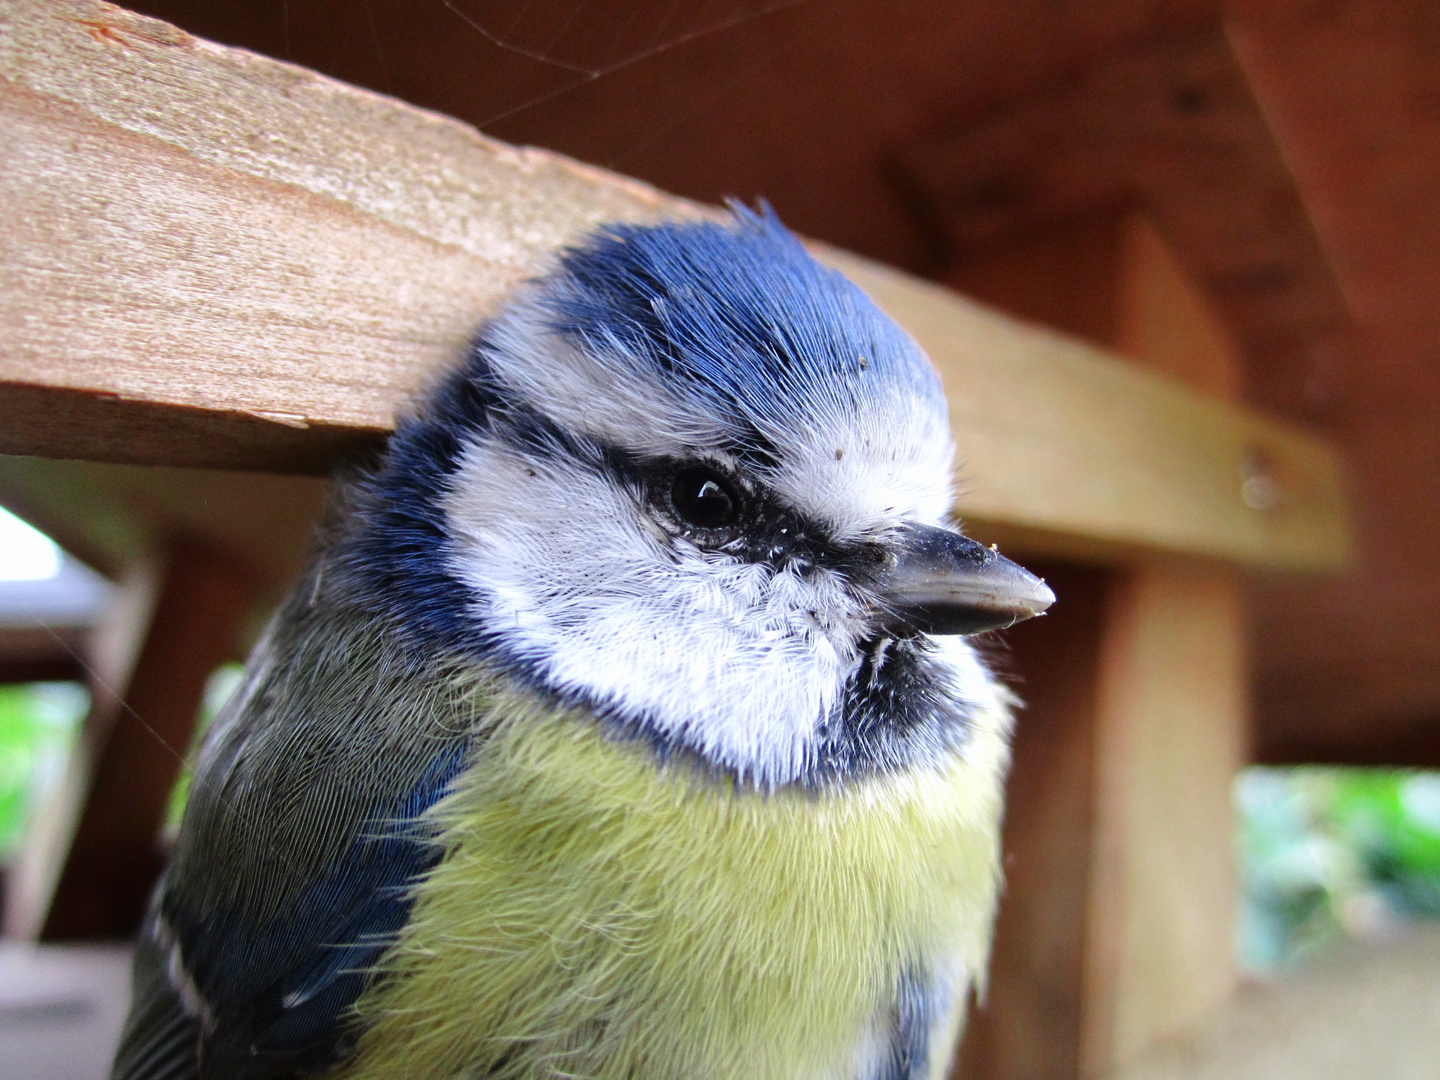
point(746, 520)
point(762, 528)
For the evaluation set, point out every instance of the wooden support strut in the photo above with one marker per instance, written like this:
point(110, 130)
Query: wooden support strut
point(1116, 928)
point(214, 259)
point(92, 857)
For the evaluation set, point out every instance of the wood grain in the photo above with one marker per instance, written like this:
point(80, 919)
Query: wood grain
point(1057, 437)
point(220, 260)
point(1116, 926)
point(1172, 128)
point(1171, 734)
point(217, 259)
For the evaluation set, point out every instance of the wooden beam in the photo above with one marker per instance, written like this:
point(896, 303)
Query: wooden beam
point(35, 654)
point(213, 259)
point(1068, 450)
point(92, 857)
point(217, 259)
point(1116, 926)
point(1171, 734)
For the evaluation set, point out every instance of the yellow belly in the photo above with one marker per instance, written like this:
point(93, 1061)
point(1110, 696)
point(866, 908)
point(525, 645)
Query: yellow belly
point(596, 916)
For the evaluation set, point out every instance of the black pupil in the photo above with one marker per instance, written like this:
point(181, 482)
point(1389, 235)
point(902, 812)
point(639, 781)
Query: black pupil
point(702, 499)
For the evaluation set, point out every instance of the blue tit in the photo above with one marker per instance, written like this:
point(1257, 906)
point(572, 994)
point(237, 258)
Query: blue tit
point(623, 726)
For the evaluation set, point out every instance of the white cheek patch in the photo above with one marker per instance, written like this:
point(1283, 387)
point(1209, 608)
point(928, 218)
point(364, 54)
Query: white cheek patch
point(734, 660)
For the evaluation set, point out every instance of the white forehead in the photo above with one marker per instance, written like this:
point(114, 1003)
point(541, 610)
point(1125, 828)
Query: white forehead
point(859, 465)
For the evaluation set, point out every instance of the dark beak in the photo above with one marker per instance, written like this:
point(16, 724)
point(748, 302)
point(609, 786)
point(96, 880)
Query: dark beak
point(945, 583)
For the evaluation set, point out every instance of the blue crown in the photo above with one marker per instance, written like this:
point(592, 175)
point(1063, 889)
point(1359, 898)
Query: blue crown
point(738, 315)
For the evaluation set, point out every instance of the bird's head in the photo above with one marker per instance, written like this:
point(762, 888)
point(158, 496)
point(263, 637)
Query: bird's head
point(696, 482)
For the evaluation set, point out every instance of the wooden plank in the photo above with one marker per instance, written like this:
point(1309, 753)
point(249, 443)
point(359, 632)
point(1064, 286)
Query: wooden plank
point(88, 870)
point(1034, 1010)
point(281, 259)
point(1172, 728)
point(1171, 733)
point(220, 260)
point(1061, 438)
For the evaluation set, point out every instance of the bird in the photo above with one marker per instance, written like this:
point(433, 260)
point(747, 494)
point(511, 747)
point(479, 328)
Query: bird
point(626, 723)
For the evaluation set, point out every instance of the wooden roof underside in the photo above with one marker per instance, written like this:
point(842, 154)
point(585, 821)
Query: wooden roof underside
point(1288, 150)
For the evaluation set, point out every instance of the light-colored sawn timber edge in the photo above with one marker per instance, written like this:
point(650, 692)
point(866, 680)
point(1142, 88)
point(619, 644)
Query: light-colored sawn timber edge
point(211, 258)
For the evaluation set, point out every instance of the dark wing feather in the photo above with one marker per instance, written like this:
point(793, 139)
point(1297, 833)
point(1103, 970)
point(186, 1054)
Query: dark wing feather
point(161, 1040)
point(302, 839)
point(278, 993)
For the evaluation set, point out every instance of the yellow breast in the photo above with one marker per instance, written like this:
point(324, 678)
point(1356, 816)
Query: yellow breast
point(598, 916)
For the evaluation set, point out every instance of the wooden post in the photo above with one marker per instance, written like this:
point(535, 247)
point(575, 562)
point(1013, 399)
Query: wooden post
point(1029, 1027)
point(1170, 734)
point(92, 856)
point(1117, 925)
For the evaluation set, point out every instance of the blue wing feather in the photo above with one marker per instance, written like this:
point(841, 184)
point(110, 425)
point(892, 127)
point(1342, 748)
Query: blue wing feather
point(280, 993)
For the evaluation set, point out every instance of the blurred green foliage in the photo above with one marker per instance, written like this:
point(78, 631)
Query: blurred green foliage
point(1328, 852)
point(38, 723)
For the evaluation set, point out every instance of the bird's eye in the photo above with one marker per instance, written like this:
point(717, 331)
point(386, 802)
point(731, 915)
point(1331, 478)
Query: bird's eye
point(703, 499)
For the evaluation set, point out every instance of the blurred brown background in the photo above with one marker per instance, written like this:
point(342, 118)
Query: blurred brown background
point(1288, 151)
point(1284, 156)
